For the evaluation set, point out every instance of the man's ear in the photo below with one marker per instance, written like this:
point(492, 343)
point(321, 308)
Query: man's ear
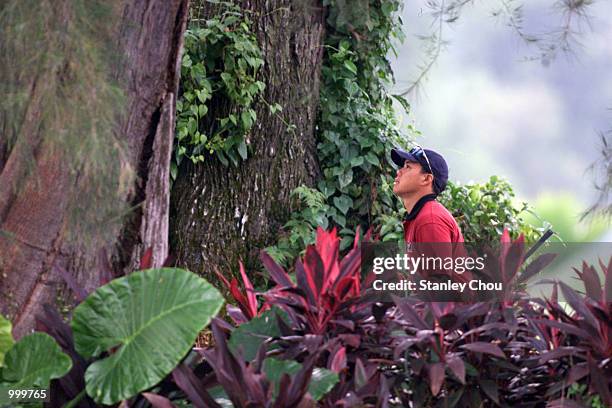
point(428, 179)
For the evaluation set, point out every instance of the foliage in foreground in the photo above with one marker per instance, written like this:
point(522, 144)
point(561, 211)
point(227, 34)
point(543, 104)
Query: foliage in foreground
point(441, 354)
point(320, 337)
point(117, 344)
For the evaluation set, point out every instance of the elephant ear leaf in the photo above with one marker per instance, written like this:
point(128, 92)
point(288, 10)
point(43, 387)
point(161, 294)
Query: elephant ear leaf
point(6, 339)
point(33, 362)
point(147, 322)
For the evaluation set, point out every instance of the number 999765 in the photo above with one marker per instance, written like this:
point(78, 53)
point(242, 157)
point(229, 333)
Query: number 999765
point(8, 395)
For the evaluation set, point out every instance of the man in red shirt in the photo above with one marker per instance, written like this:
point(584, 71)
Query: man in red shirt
point(422, 175)
point(430, 230)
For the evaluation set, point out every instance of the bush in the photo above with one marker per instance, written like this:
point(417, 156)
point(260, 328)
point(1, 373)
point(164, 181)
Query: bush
point(484, 210)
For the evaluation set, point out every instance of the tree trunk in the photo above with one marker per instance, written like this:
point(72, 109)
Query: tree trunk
point(222, 214)
point(34, 258)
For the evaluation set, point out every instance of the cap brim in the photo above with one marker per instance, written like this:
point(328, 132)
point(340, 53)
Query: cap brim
point(399, 156)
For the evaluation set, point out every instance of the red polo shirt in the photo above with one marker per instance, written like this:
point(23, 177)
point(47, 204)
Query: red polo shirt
point(433, 223)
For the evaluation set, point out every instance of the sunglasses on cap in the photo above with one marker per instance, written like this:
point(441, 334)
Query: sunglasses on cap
point(418, 152)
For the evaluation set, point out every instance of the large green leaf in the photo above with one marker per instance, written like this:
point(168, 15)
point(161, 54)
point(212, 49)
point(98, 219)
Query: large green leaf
point(150, 319)
point(321, 382)
point(248, 336)
point(6, 339)
point(34, 361)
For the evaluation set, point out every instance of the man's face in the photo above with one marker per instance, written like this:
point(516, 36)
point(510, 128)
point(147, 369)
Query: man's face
point(411, 179)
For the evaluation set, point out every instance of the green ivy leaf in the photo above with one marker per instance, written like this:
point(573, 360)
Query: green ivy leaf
point(348, 64)
point(371, 157)
point(326, 189)
point(202, 110)
point(173, 172)
point(357, 161)
point(321, 221)
point(233, 119)
point(275, 108)
point(343, 203)
point(340, 220)
point(242, 149)
point(247, 122)
point(150, 319)
point(345, 178)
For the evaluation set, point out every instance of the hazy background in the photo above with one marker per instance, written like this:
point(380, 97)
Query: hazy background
point(489, 111)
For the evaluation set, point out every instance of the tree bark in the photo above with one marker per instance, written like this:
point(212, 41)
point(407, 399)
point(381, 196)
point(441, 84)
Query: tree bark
point(34, 259)
point(220, 214)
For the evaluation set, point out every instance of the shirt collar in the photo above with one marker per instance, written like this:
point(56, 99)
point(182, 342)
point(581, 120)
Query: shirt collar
point(417, 207)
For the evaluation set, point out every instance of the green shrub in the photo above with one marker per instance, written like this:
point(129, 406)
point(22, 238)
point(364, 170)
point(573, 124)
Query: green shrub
point(484, 210)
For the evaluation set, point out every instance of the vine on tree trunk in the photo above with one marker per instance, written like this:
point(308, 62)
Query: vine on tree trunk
point(356, 128)
point(221, 60)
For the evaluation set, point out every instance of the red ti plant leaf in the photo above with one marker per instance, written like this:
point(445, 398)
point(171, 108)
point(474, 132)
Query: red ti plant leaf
point(607, 271)
point(305, 282)
point(589, 277)
point(512, 260)
point(487, 348)
point(577, 372)
point(243, 303)
point(247, 302)
point(357, 234)
point(558, 353)
point(409, 313)
point(325, 287)
point(579, 306)
point(436, 377)
point(505, 238)
point(192, 386)
point(157, 401)
point(506, 241)
point(455, 364)
point(278, 275)
point(490, 388)
point(536, 266)
point(338, 362)
point(327, 246)
point(348, 287)
point(600, 382)
point(361, 377)
point(250, 293)
point(315, 273)
point(241, 382)
point(563, 327)
point(146, 261)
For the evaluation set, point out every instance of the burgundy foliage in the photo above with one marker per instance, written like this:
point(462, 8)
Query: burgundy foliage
point(517, 351)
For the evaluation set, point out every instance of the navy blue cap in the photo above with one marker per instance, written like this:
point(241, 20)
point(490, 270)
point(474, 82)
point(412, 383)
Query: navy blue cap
point(439, 168)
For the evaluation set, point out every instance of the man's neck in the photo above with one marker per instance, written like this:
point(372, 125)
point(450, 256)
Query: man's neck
point(411, 200)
